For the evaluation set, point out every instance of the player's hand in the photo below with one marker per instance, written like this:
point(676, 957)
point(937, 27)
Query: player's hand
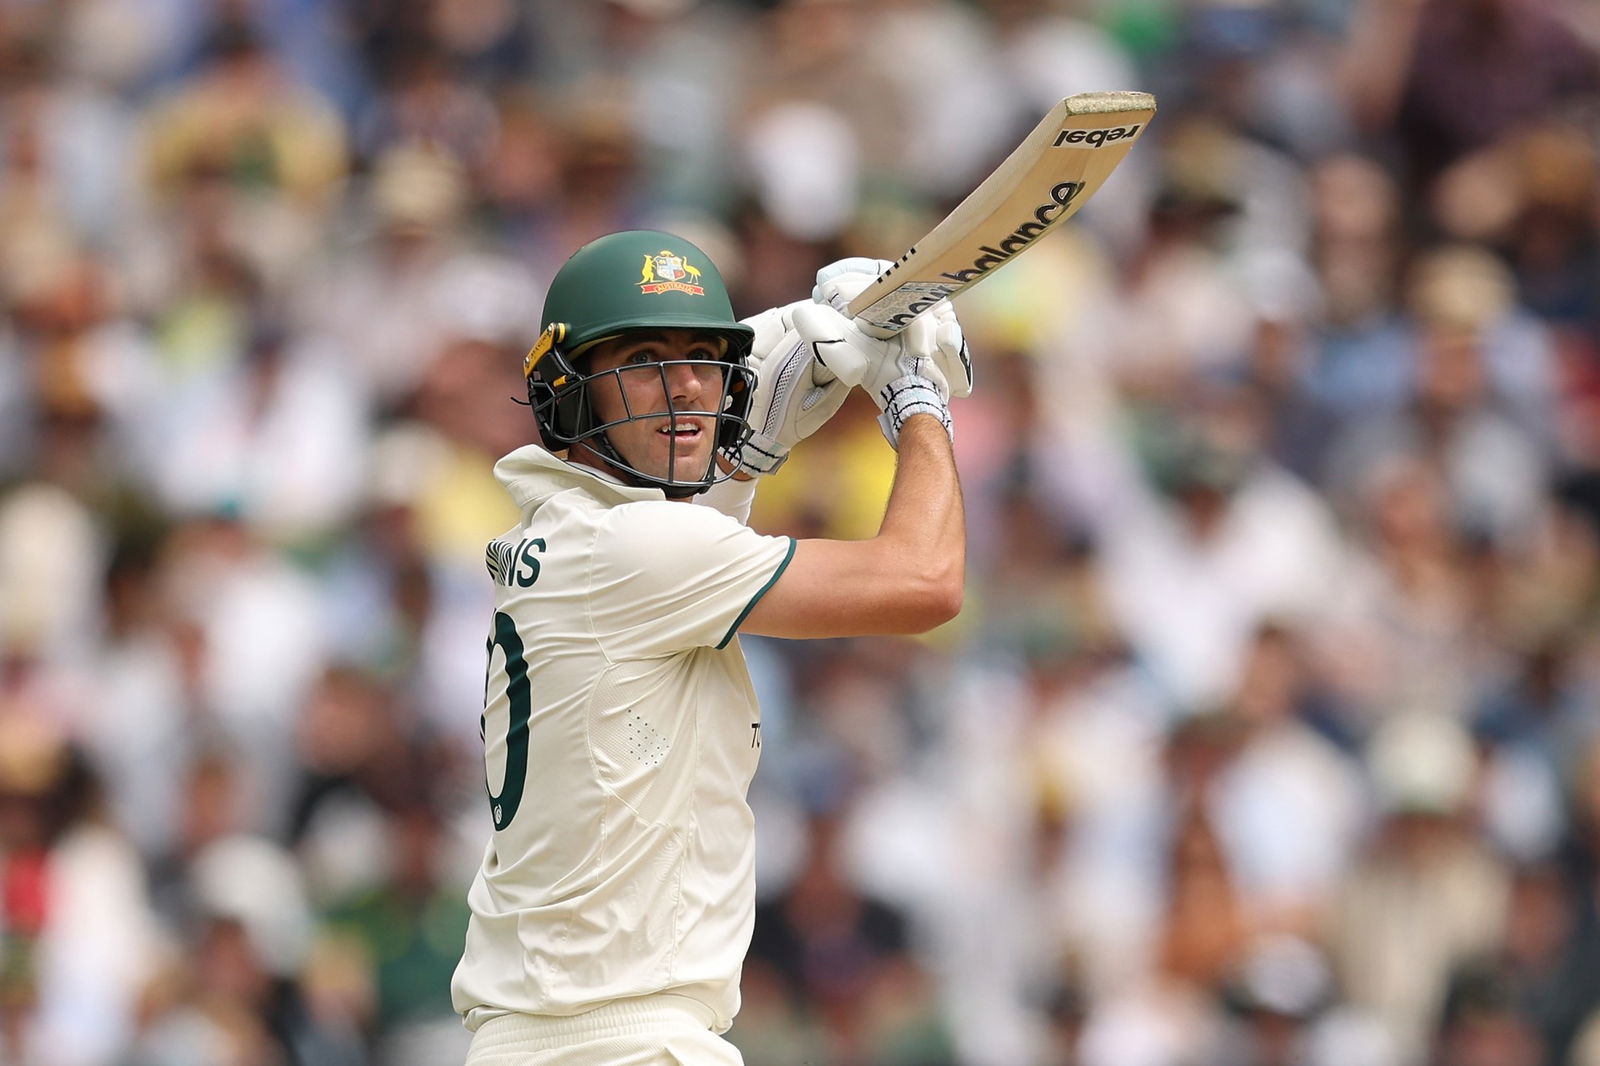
point(911, 395)
point(943, 342)
point(794, 395)
point(910, 366)
point(840, 282)
point(797, 390)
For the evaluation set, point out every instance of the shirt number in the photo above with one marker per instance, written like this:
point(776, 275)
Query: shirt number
point(503, 805)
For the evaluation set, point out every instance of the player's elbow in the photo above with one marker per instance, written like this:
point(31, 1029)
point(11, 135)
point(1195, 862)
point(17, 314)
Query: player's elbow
point(946, 607)
point(952, 595)
point(936, 600)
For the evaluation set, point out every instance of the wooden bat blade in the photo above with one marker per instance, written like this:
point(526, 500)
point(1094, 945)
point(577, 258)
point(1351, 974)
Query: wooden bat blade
point(1041, 184)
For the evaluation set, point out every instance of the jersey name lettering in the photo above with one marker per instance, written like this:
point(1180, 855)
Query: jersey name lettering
point(514, 563)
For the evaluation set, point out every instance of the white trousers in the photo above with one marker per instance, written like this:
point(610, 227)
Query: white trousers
point(662, 1030)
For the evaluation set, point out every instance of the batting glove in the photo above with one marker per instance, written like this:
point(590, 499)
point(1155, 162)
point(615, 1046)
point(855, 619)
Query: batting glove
point(840, 282)
point(794, 395)
point(911, 395)
point(902, 374)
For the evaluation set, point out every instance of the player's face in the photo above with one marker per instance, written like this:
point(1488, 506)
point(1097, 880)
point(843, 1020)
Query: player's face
point(658, 379)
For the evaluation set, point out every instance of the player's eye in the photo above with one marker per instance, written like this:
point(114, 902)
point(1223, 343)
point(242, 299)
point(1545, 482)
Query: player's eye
point(640, 356)
point(701, 353)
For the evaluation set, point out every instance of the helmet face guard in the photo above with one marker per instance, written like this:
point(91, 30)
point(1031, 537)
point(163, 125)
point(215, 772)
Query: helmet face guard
point(563, 408)
point(637, 280)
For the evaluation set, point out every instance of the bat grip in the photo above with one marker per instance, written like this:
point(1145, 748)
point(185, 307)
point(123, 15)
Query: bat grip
point(875, 331)
point(854, 310)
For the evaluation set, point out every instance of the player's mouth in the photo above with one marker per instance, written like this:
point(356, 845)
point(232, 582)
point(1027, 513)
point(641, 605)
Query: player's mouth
point(682, 431)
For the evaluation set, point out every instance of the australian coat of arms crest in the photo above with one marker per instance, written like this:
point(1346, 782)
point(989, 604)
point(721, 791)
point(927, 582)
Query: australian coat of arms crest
point(665, 272)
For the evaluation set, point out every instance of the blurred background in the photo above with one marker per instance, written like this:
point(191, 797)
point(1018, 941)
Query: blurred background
point(1267, 737)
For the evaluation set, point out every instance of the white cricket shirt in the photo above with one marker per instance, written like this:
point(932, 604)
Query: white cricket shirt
point(620, 736)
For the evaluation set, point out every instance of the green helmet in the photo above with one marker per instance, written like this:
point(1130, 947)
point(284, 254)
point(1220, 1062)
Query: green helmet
point(635, 279)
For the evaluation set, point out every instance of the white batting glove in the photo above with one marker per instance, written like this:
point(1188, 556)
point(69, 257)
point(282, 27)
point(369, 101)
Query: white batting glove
point(839, 283)
point(794, 395)
point(911, 395)
point(899, 373)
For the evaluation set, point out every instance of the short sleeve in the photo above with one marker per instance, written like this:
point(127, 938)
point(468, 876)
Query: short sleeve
point(667, 577)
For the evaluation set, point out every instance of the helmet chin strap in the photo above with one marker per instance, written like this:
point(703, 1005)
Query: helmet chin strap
point(599, 444)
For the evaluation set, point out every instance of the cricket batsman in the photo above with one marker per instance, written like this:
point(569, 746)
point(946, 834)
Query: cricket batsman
point(616, 897)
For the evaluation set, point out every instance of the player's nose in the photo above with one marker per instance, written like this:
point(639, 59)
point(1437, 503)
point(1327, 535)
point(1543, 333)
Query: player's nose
point(685, 380)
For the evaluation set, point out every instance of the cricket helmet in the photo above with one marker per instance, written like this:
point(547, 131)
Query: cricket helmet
point(634, 280)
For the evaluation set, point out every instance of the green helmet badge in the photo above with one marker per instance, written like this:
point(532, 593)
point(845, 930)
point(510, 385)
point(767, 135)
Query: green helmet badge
point(633, 280)
point(664, 272)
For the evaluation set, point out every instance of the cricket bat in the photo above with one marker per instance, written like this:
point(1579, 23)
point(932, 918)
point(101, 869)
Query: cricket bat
point(1041, 184)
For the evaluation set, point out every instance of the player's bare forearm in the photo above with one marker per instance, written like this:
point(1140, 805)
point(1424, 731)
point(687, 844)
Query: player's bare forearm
point(907, 579)
point(925, 519)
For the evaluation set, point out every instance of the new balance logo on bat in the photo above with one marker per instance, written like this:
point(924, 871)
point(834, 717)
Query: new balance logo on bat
point(1039, 185)
point(1095, 138)
point(1018, 239)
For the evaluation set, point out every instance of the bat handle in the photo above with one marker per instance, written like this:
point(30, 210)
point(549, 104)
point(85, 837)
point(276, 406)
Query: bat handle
point(870, 297)
point(874, 331)
point(855, 309)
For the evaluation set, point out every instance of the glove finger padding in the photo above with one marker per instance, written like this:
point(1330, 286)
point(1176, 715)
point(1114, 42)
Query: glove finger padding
point(898, 373)
point(871, 363)
point(840, 282)
point(833, 340)
point(793, 397)
point(950, 351)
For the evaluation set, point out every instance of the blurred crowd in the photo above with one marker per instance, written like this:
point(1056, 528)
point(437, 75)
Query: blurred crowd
point(1270, 732)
